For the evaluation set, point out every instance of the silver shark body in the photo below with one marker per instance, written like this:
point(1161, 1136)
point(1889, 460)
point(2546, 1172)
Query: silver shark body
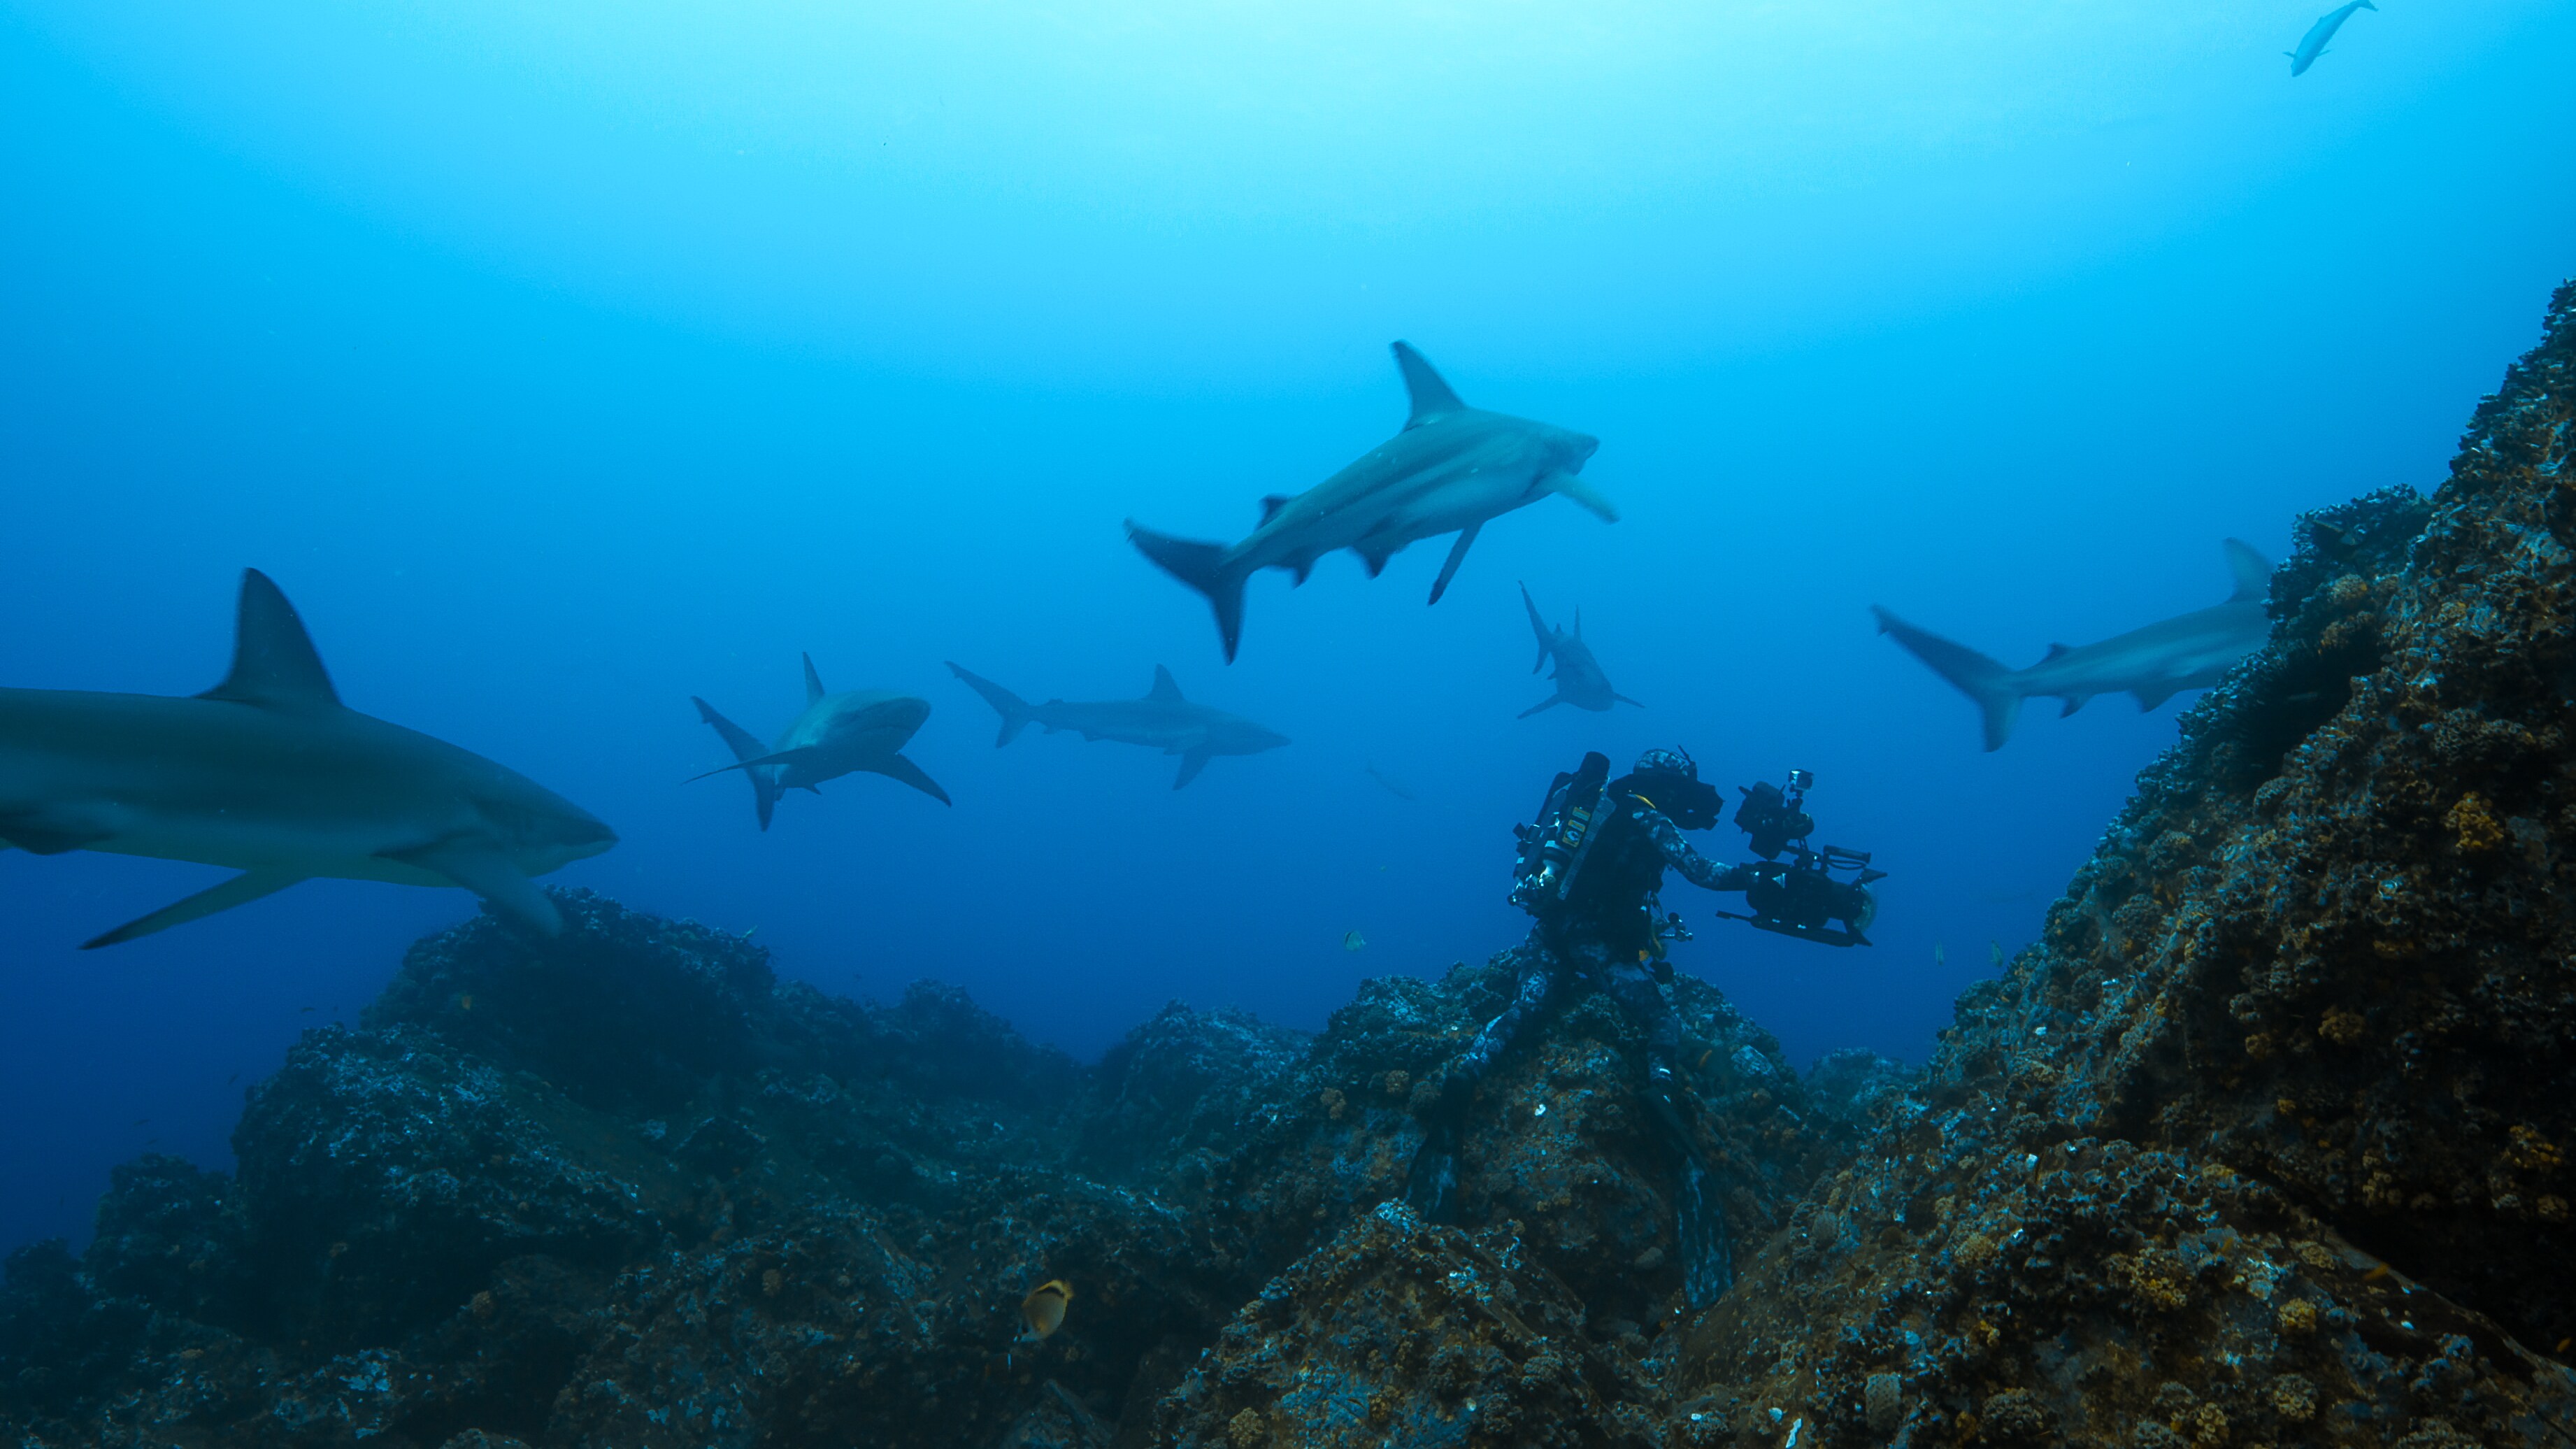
point(2191, 651)
point(1161, 720)
point(269, 774)
point(1451, 470)
point(834, 735)
point(2313, 44)
point(1579, 679)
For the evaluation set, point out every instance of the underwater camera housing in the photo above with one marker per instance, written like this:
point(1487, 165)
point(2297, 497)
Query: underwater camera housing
point(1804, 895)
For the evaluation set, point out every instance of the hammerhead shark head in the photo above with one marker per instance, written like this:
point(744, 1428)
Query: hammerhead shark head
point(2190, 651)
point(1161, 720)
point(1579, 680)
point(269, 774)
point(1451, 469)
point(2313, 44)
point(834, 735)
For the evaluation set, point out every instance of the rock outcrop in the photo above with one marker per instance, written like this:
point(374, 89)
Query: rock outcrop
point(2267, 1141)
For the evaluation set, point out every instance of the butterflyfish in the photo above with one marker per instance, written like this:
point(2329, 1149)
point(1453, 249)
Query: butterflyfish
point(1043, 1309)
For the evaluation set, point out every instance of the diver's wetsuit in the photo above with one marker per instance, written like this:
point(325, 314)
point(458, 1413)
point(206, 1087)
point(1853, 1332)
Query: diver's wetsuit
point(1605, 929)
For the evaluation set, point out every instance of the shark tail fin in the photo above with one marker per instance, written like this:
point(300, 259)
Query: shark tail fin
point(1203, 567)
point(1973, 674)
point(764, 783)
point(1546, 646)
point(1015, 711)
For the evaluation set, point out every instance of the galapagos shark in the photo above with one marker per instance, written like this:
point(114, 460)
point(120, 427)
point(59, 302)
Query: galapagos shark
point(269, 774)
point(1579, 680)
point(1452, 469)
point(834, 735)
point(2313, 44)
point(2190, 651)
point(1161, 720)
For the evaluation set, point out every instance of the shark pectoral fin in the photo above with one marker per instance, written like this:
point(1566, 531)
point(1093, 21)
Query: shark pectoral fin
point(1191, 763)
point(242, 889)
point(483, 870)
point(896, 767)
point(782, 757)
point(1583, 493)
point(1457, 556)
point(1551, 702)
point(2149, 696)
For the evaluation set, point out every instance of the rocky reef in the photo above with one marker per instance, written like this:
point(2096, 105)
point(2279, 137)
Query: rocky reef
point(2267, 1141)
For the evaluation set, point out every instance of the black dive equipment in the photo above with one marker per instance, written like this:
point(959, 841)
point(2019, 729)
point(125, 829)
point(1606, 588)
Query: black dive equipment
point(1804, 895)
point(1553, 850)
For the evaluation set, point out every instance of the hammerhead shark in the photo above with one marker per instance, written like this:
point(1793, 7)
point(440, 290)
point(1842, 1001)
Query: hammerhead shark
point(2190, 651)
point(1161, 720)
point(2313, 44)
point(1452, 469)
point(269, 774)
point(834, 735)
point(1579, 680)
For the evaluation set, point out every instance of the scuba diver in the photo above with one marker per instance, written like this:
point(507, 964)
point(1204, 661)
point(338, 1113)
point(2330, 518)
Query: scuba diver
point(1591, 871)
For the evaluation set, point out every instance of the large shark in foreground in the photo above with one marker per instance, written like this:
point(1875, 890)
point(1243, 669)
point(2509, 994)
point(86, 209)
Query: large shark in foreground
point(1161, 720)
point(834, 735)
point(2192, 651)
point(2313, 44)
point(1452, 468)
point(269, 774)
point(1578, 677)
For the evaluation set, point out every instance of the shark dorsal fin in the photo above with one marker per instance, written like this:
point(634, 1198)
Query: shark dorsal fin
point(1271, 504)
point(2253, 575)
point(1165, 687)
point(813, 681)
point(2054, 650)
point(273, 660)
point(1431, 397)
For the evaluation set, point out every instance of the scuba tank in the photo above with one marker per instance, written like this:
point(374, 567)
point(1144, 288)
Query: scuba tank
point(1553, 850)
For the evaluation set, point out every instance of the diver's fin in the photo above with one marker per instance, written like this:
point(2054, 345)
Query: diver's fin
point(1166, 688)
point(813, 682)
point(1191, 764)
point(2149, 696)
point(1203, 567)
point(1457, 556)
point(1015, 711)
point(2253, 576)
point(1431, 397)
point(896, 767)
point(1973, 674)
point(480, 868)
point(1551, 702)
point(1538, 626)
point(274, 664)
point(248, 886)
point(1583, 493)
point(764, 785)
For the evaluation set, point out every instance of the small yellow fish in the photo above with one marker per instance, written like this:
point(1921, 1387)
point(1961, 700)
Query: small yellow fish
point(1353, 940)
point(1043, 1309)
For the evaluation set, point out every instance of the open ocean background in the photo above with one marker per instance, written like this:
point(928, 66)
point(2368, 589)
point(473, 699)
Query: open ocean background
point(563, 361)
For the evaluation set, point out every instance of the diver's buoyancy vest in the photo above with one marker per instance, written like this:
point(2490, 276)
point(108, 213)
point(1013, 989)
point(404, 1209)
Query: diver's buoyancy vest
point(1624, 869)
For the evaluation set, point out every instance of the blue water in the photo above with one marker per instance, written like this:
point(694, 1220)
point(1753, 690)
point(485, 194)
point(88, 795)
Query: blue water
point(564, 361)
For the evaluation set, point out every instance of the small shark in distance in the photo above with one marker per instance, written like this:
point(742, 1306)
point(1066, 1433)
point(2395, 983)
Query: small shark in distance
point(1452, 469)
point(1579, 680)
point(2313, 44)
point(1161, 720)
point(269, 774)
point(2190, 651)
point(834, 735)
